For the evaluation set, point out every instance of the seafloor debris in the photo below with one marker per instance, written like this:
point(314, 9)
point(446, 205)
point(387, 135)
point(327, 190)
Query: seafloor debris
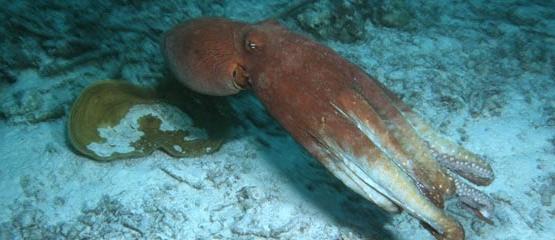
point(114, 119)
point(547, 191)
point(321, 19)
point(326, 19)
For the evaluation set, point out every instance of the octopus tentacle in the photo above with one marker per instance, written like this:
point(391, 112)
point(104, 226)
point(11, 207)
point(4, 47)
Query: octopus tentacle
point(440, 184)
point(480, 203)
point(373, 165)
point(354, 108)
point(336, 166)
point(455, 158)
point(461, 161)
point(449, 154)
point(384, 176)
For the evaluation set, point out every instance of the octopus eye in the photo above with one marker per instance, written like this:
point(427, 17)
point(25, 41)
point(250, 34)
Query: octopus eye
point(251, 45)
point(254, 42)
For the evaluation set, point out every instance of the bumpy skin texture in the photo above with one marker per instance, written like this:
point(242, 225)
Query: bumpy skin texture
point(359, 130)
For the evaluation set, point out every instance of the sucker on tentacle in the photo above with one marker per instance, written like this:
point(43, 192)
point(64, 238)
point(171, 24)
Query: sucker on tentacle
point(466, 164)
point(417, 163)
point(430, 173)
point(449, 154)
point(478, 202)
point(369, 128)
point(374, 177)
point(457, 160)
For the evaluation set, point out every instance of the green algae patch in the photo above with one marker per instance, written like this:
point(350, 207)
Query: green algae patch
point(115, 119)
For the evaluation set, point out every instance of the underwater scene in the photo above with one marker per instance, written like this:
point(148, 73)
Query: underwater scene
point(305, 119)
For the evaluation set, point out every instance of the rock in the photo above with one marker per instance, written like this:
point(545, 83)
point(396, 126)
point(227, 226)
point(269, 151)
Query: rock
point(393, 14)
point(114, 119)
point(547, 191)
point(333, 20)
point(525, 15)
point(27, 218)
point(249, 197)
point(269, 220)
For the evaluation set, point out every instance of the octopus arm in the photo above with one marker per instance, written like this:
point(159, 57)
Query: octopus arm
point(458, 160)
point(385, 167)
point(438, 162)
point(338, 167)
point(354, 107)
point(453, 156)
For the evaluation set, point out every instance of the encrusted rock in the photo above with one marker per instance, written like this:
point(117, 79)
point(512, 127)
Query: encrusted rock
point(114, 119)
point(333, 20)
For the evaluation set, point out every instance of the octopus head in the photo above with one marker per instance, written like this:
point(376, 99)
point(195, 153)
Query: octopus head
point(207, 55)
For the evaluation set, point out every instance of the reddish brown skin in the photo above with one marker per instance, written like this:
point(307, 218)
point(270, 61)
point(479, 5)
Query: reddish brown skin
point(297, 79)
point(294, 67)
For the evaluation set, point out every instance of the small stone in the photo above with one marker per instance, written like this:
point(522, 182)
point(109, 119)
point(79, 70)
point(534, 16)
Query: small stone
point(546, 192)
point(394, 14)
point(64, 229)
point(325, 20)
point(26, 219)
point(59, 201)
point(477, 226)
point(524, 16)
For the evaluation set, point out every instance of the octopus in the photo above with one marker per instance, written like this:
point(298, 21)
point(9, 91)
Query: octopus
point(362, 132)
